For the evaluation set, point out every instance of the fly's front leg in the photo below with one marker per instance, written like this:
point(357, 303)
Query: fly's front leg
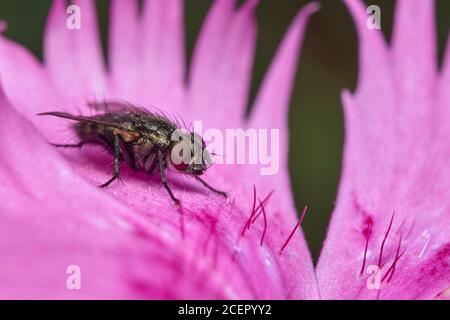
point(116, 162)
point(164, 179)
point(222, 193)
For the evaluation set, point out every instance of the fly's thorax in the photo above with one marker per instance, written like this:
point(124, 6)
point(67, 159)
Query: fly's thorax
point(159, 140)
point(126, 135)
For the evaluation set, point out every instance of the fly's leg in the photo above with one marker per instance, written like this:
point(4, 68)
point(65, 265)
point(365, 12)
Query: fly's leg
point(77, 145)
point(164, 179)
point(222, 193)
point(116, 162)
point(152, 167)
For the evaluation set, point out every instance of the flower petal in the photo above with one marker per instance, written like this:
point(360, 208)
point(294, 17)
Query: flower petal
point(415, 64)
point(74, 56)
point(200, 250)
point(444, 94)
point(270, 111)
point(271, 106)
point(53, 219)
point(414, 56)
point(27, 85)
point(124, 48)
point(163, 57)
point(225, 48)
point(388, 237)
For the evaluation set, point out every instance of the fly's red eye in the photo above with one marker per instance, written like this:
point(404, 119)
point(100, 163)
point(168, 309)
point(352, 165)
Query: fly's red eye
point(181, 167)
point(181, 155)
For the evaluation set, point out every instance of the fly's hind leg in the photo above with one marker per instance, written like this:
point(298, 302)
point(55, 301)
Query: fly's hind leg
point(222, 193)
point(164, 179)
point(116, 163)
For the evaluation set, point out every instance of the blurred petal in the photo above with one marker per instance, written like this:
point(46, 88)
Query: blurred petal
point(26, 84)
point(414, 56)
point(74, 56)
point(163, 58)
point(225, 48)
point(124, 45)
point(414, 61)
point(271, 106)
point(444, 96)
point(271, 112)
point(392, 210)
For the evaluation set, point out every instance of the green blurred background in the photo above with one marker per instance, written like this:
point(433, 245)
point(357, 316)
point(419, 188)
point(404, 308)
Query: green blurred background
point(328, 65)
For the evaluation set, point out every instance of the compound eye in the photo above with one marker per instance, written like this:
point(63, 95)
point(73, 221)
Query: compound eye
point(181, 155)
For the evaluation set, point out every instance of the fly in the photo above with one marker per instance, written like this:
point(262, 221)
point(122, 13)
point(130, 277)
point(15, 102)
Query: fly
point(143, 140)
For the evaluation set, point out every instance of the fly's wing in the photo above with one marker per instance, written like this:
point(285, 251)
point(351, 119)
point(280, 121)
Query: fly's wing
point(124, 107)
point(116, 106)
point(83, 119)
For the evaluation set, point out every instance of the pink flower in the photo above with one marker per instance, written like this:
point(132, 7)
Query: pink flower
point(129, 241)
point(389, 234)
point(393, 208)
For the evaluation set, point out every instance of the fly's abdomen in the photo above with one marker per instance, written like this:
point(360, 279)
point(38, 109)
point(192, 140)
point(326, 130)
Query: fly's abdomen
point(90, 132)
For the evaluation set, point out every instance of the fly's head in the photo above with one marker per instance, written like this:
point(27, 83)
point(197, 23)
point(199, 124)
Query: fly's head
point(189, 154)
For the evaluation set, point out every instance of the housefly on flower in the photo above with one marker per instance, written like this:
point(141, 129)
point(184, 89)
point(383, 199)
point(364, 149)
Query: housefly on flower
point(143, 140)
